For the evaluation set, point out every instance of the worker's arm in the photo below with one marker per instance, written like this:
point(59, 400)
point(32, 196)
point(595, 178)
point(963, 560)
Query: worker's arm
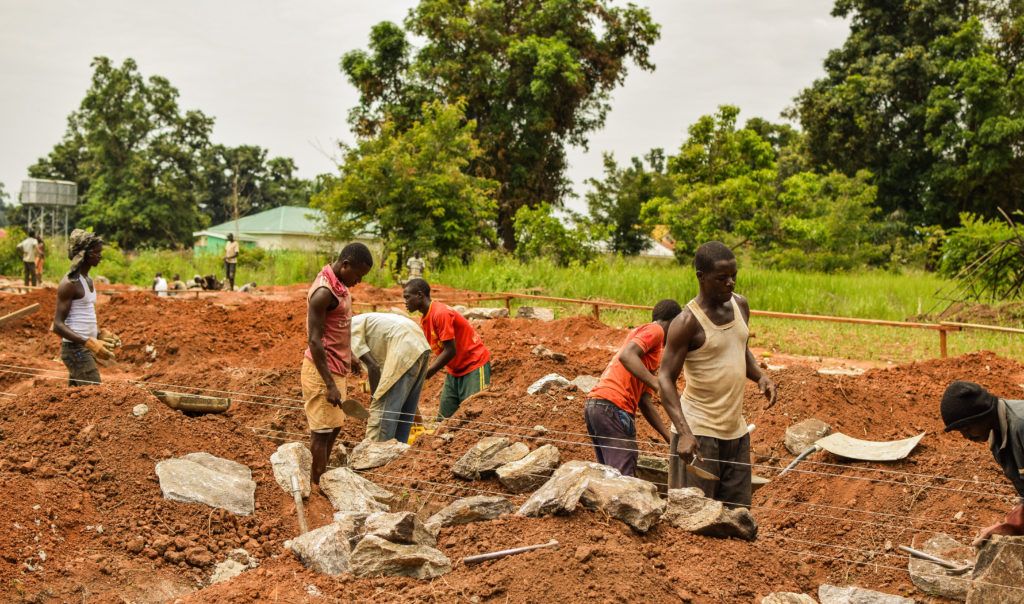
point(677, 343)
point(442, 359)
point(650, 413)
point(631, 358)
point(754, 374)
point(372, 370)
point(66, 292)
point(320, 303)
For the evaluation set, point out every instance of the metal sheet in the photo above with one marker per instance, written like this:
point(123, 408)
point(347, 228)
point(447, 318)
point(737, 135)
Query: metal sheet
point(868, 450)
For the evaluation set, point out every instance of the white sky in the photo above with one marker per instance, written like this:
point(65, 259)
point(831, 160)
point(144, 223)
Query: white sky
point(268, 71)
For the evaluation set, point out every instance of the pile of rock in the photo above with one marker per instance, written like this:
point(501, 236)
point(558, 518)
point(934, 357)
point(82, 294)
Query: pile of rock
point(535, 312)
point(371, 454)
point(518, 469)
point(372, 545)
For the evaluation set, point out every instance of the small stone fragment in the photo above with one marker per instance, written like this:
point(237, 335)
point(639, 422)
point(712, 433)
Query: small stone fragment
point(140, 409)
point(371, 454)
point(800, 436)
point(547, 383)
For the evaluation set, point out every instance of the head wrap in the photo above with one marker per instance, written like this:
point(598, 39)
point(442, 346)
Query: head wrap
point(965, 403)
point(79, 244)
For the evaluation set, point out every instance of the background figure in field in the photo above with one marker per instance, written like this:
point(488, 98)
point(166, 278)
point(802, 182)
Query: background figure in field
point(980, 417)
point(160, 285)
point(82, 342)
point(708, 340)
point(327, 360)
point(396, 355)
point(458, 347)
point(40, 260)
point(627, 384)
point(230, 261)
point(416, 267)
point(29, 248)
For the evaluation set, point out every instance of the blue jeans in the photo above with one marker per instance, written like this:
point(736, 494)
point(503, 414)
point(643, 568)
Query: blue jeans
point(396, 409)
point(613, 432)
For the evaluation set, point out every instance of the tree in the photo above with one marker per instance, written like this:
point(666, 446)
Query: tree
point(261, 183)
point(540, 234)
point(615, 202)
point(4, 207)
point(924, 98)
point(535, 75)
point(135, 156)
point(410, 188)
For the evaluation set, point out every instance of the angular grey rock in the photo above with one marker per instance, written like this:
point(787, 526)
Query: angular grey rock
point(585, 383)
point(371, 454)
point(801, 435)
point(545, 353)
point(469, 509)
point(535, 312)
point(339, 455)
point(292, 459)
point(375, 557)
point(998, 572)
point(350, 492)
point(653, 470)
point(140, 409)
point(325, 550)
point(830, 594)
point(936, 580)
point(631, 500)
point(203, 478)
point(484, 313)
point(562, 492)
point(528, 473)
point(689, 509)
point(547, 383)
point(788, 597)
point(486, 456)
point(398, 527)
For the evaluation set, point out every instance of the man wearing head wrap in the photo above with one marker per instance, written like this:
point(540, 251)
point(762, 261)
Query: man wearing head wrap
point(82, 342)
point(980, 416)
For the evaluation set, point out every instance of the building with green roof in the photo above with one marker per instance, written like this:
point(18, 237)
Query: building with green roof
point(285, 227)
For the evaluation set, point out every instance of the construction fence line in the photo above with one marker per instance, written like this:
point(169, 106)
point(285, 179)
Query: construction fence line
point(588, 444)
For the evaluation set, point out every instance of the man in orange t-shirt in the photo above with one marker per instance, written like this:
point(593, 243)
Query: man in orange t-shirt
point(626, 385)
point(457, 345)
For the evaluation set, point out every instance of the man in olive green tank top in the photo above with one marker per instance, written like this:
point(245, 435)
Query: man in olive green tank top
point(708, 341)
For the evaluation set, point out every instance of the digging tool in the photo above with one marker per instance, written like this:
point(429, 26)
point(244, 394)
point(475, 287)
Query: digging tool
point(953, 567)
point(808, 451)
point(506, 552)
point(352, 408)
point(19, 313)
point(299, 509)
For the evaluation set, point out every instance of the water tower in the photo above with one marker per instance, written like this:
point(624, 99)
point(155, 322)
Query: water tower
point(47, 204)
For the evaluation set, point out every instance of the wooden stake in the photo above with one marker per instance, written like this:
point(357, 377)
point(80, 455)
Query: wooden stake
point(19, 313)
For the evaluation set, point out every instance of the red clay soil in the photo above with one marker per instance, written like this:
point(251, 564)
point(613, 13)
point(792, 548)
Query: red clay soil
point(74, 460)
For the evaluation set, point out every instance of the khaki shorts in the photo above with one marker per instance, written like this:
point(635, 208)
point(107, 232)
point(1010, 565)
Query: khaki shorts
point(320, 415)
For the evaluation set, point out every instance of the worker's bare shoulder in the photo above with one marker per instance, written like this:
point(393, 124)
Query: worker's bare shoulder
point(684, 326)
point(743, 304)
point(69, 290)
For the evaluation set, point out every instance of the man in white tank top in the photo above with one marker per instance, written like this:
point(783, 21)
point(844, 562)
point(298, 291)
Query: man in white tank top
point(82, 342)
point(708, 341)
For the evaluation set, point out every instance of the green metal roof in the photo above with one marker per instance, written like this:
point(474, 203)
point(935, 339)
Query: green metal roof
point(285, 219)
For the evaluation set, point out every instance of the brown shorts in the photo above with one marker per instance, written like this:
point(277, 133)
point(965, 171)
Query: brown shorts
point(320, 415)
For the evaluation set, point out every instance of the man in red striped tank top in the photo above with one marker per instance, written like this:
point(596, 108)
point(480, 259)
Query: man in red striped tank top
point(327, 360)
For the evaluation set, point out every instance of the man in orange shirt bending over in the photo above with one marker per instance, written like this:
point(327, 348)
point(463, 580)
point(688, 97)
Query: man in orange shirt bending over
point(627, 384)
point(457, 345)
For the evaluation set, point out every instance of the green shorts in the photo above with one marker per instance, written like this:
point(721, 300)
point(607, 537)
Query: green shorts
point(458, 389)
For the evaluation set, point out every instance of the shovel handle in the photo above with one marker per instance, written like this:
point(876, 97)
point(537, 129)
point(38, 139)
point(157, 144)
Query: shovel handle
point(506, 552)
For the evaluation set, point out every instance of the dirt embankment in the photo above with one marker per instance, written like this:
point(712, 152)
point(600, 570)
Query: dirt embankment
point(75, 460)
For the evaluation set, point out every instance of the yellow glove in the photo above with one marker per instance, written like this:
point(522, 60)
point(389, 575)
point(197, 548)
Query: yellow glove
point(110, 338)
point(100, 349)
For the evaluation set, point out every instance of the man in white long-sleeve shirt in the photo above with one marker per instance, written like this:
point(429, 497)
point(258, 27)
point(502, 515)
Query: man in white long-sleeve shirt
point(395, 354)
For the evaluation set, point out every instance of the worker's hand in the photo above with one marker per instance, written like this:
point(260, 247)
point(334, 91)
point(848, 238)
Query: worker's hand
point(110, 338)
point(357, 367)
point(100, 349)
point(768, 389)
point(687, 448)
point(333, 395)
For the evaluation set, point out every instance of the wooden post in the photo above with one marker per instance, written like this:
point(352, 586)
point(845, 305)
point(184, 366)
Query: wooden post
point(942, 343)
point(19, 313)
point(597, 312)
point(508, 304)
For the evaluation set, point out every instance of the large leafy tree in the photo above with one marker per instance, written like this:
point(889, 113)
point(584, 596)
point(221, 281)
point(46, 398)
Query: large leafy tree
point(135, 156)
point(411, 189)
point(535, 75)
point(245, 174)
point(926, 94)
point(615, 202)
point(4, 207)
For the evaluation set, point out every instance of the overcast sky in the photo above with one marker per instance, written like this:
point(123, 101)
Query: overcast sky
point(268, 71)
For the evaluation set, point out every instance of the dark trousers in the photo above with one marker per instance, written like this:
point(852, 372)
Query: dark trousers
point(82, 370)
point(229, 273)
point(30, 273)
point(727, 459)
point(614, 434)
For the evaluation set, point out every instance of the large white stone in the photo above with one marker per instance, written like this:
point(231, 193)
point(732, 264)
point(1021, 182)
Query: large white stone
point(376, 557)
point(936, 580)
point(325, 550)
point(631, 500)
point(528, 473)
point(487, 455)
point(547, 383)
point(830, 594)
point(350, 492)
point(213, 481)
point(292, 459)
point(689, 509)
point(371, 454)
point(801, 435)
point(562, 492)
point(999, 572)
point(484, 313)
point(469, 509)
